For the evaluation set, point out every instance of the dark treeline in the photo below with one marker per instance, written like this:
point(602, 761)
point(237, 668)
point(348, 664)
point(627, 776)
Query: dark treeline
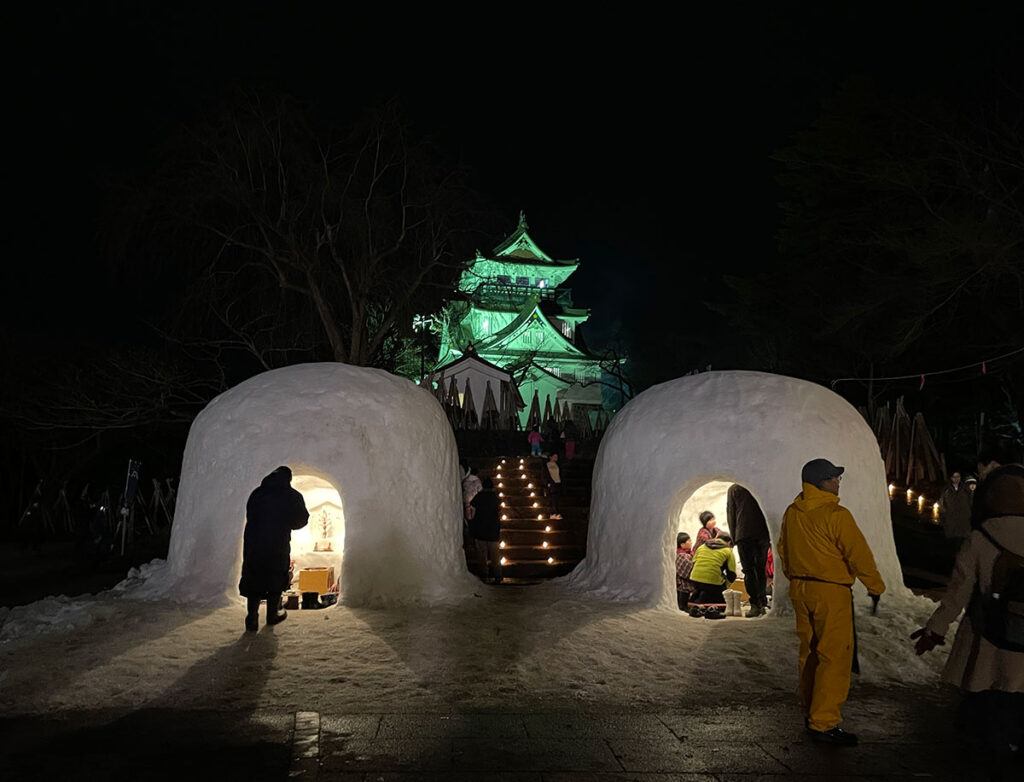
point(259, 233)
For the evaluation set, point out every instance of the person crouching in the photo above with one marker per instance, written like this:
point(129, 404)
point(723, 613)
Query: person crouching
point(714, 568)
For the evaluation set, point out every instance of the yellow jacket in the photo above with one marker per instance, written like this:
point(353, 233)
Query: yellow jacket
point(821, 541)
point(708, 562)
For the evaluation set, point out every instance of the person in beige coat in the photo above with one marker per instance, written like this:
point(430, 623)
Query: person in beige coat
point(992, 678)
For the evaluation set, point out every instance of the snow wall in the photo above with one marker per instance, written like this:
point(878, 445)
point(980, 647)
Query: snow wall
point(381, 441)
point(752, 428)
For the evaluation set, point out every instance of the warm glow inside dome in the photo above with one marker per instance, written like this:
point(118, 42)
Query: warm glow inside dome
point(321, 542)
point(711, 496)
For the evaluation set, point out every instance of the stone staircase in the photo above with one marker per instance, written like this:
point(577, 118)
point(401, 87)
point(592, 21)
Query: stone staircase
point(535, 546)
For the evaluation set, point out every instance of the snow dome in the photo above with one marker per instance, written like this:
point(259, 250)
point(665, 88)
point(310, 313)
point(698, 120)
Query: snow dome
point(673, 440)
point(375, 459)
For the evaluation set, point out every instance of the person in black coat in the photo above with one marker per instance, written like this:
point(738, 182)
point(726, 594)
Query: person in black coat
point(485, 527)
point(272, 512)
point(750, 535)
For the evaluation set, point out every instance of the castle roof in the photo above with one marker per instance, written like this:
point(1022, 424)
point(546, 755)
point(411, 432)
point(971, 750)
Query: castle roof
point(520, 247)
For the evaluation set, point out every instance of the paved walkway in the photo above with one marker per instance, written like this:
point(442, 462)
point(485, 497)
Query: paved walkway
point(906, 734)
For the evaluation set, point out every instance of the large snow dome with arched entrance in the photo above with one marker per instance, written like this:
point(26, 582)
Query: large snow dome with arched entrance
point(751, 428)
point(377, 464)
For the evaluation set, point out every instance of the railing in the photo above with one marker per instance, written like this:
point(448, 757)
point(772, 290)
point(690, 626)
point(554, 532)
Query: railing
point(492, 291)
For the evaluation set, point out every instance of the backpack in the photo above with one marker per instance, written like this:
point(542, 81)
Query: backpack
point(1001, 612)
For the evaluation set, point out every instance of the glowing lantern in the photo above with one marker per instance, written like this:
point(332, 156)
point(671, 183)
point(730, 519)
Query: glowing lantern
point(892, 486)
point(504, 561)
point(551, 560)
point(545, 544)
point(540, 517)
point(935, 511)
point(501, 545)
point(547, 528)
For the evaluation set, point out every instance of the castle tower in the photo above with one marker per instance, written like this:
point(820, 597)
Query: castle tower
point(516, 313)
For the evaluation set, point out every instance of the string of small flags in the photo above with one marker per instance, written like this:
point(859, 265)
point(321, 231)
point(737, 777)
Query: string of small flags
point(922, 375)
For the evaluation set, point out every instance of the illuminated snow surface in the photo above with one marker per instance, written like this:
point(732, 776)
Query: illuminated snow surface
point(515, 648)
point(171, 634)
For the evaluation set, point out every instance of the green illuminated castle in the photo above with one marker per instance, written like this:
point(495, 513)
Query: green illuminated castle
point(514, 313)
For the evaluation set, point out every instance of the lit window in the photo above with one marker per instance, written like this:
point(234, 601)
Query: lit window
point(542, 282)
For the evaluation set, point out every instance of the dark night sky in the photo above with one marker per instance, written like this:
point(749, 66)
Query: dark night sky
point(638, 144)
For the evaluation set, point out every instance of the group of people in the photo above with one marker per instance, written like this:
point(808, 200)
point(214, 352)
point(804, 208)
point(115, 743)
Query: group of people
point(558, 437)
point(987, 588)
point(822, 552)
point(705, 570)
point(955, 506)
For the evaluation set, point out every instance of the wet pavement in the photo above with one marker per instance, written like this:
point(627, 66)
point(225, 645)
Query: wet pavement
point(906, 734)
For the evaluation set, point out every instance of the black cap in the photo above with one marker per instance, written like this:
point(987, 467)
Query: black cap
point(818, 470)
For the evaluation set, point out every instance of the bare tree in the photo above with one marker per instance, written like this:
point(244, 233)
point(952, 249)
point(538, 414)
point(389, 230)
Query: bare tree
point(318, 242)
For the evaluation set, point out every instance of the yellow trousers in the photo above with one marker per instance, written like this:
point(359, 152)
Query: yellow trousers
point(824, 624)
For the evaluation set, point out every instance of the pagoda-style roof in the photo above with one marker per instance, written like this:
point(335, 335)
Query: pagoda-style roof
point(517, 256)
point(530, 313)
point(522, 248)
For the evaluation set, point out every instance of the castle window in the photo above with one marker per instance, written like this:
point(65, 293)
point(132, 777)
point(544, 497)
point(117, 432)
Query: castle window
point(504, 279)
point(523, 281)
point(542, 282)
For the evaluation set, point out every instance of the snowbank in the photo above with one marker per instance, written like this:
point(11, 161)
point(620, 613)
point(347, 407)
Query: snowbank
point(381, 442)
point(751, 428)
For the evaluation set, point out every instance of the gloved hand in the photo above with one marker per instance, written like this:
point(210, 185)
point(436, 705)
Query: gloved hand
point(874, 603)
point(926, 640)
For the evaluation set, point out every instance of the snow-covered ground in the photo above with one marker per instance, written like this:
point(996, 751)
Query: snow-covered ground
point(538, 647)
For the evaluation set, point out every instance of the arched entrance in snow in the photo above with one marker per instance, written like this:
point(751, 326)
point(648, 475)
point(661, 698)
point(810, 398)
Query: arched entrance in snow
point(752, 428)
point(713, 496)
point(381, 443)
point(321, 543)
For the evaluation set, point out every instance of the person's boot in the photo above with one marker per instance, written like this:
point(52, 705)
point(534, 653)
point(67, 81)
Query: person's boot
point(755, 610)
point(252, 616)
point(278, 614)
point(732, 603)
point(836, 736)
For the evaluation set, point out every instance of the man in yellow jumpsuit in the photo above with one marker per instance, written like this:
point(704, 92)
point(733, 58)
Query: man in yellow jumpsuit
point(822, 552)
